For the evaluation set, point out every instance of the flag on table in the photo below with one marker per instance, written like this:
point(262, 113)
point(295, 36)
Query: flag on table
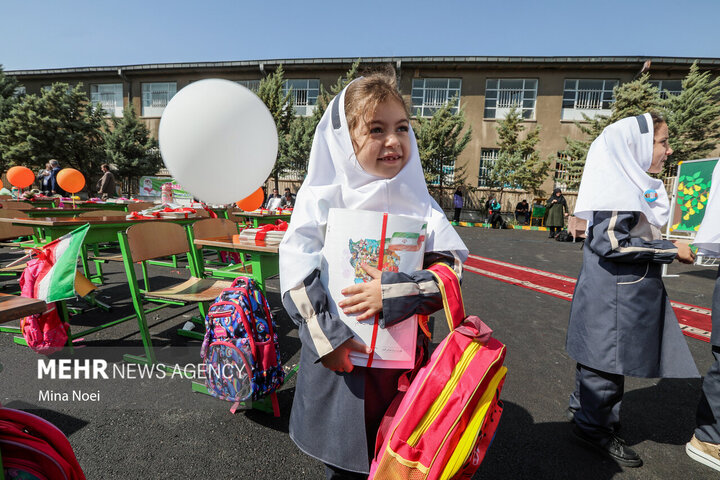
point(56, 278)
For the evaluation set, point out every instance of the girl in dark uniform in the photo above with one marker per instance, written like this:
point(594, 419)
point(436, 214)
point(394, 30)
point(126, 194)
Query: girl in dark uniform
point(621, 321)
point(364, 156)
point(704, 446)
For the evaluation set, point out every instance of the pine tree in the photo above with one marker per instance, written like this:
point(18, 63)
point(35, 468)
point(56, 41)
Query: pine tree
point(440, 143)
point(272, 92)
point(518, 164)
point(8, 86)
point(130, 147)
point(631, 98)
point(693, 117)
point(58, 124)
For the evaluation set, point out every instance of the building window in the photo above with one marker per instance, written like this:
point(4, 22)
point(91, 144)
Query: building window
point(667, 87)
point(504, 94)
point(430, 94)
point(589, 97)
point(304, 95)
point(448, 174)
point(562, 172)
point(155, 96)
point(109, 96)
point(487, 161)
point(253, 85)
point(19, 91)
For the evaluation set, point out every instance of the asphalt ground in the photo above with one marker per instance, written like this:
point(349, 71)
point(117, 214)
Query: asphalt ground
point(156, 428)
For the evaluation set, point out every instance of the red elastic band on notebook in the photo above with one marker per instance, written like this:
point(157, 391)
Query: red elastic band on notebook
point(381, 257)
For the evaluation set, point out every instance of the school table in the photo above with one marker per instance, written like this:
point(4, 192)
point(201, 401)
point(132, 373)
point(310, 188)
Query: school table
point(258, 218)
point(264, 259)
point(13, 307)
point(45, 202)
point(55, 212)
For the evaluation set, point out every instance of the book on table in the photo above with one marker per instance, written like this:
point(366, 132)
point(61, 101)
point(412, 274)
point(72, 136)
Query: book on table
point(393, 243)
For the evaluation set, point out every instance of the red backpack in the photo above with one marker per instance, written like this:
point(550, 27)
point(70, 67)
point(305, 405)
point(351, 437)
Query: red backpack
point(441, 426)
point(31, 447)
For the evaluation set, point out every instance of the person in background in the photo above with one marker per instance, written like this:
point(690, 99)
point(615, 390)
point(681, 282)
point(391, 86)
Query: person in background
point(522, 210)
point(54, 188)
point(557, 210)
point(274, 200)
point(43, 179)
point(106, 185)
point(287, 190)
point(458, 203)
point(493, 209)
point(288, 200)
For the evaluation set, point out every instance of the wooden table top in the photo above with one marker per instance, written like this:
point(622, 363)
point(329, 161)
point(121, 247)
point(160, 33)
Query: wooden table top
point(70, 221)
point(13, 307)
point(225, 242)
point(261, 215)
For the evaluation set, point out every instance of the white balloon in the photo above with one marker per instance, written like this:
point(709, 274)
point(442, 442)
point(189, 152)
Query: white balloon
point(218, 140)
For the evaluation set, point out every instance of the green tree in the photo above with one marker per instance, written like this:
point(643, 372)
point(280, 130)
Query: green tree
point(58, 124)
point(271, 91)
point(440, 142)
point(8, 86)
point(302, 129)
point(693, 117)
point(130, 147)
point(518, 164)
point(631, 98)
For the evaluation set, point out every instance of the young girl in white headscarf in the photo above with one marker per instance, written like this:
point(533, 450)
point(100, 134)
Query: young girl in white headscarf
point(621, 321)
point(705, 443)
point(364, 156)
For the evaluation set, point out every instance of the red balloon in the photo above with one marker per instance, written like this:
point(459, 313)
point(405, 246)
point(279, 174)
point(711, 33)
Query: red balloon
point(21, 177)
point(252, 201)
point(70, 180)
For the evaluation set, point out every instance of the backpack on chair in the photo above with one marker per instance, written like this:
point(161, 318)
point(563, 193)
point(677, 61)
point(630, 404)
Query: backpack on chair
point(240, 349)
point(440, 427)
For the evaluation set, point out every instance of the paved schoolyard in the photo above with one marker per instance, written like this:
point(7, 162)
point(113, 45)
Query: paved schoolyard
point(156, 428)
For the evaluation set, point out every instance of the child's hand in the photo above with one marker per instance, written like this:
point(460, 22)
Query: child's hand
point(685, 254)
point(339, 361)
point(366, 298)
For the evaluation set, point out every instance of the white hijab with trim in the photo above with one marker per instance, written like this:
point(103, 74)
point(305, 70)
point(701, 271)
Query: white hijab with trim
point(336, 180)
point(614, 177)
point(708, 236)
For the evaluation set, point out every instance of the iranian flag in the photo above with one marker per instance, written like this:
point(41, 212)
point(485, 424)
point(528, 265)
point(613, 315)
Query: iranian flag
point(408, 241)
point(56, 277)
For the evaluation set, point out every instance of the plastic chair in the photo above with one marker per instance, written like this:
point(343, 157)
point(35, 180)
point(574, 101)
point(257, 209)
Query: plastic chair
point(538, 212)
point(150, 240)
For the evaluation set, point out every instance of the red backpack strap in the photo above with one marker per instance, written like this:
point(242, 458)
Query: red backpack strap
point(449, 285)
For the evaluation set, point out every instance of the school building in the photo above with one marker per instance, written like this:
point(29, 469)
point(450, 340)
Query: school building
point(552, 92)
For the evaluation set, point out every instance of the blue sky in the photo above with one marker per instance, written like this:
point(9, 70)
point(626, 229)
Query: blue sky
point(51, 33)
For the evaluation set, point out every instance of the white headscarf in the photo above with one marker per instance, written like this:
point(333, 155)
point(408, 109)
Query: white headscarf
point(336, 180)
point(708, 237)
point(614, 178)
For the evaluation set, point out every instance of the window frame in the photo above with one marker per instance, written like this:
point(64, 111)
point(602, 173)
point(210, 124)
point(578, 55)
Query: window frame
point(307, 108)
point(490, 111)
point(419, 97)
point(117, 110)
point(155, 111)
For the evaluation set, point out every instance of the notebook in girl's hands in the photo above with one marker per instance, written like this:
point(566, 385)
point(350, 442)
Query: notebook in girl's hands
point(394, 243)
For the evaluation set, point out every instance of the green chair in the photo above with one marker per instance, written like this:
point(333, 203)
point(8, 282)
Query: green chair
point(538, 212)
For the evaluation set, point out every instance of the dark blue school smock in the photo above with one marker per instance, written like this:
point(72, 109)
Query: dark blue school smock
point(621, 320)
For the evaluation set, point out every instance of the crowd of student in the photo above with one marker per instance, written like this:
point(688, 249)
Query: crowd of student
point(365, 156)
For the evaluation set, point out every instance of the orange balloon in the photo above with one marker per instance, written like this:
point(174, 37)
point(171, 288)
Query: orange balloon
point(20, 177)
point(70, 180)
point(252, 201)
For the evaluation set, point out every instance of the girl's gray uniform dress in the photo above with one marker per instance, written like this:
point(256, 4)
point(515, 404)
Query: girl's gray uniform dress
point(621, 321)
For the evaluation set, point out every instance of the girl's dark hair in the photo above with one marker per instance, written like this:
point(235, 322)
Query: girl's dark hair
point(365, 94)
point(657, 120)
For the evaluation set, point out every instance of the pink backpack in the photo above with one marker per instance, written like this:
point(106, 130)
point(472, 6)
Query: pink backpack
point(35, 448)
point(442, 425)
point(44, 332)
